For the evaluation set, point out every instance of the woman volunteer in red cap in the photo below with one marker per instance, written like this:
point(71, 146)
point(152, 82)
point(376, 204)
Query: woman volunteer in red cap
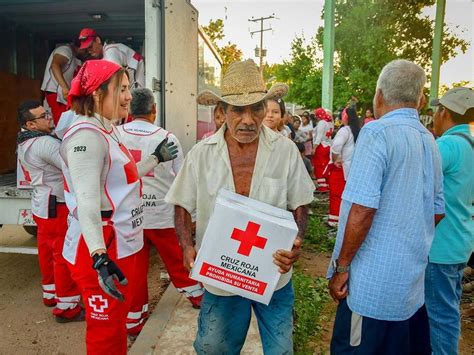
point(103, 194)
point(321, 146)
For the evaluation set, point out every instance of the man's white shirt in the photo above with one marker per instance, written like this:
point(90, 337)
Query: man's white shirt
point(49, 81)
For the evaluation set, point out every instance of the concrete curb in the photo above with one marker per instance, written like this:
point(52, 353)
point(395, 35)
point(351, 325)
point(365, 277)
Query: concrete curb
point(156, 324)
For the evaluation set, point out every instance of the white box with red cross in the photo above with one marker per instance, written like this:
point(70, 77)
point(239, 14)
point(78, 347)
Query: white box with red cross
point(236, 253)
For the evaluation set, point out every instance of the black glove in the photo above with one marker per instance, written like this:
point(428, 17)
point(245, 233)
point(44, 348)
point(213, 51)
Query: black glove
point(108, 271)
point(166, 151)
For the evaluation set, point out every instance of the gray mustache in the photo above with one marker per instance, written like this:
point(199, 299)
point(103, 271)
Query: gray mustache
point(247, 129)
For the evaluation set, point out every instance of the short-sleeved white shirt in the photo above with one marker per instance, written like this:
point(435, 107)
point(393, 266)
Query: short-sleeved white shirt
point(343, 145)
point(280, 179)
point(49, 81)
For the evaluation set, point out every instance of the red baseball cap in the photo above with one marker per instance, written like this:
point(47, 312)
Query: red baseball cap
point(87, 36)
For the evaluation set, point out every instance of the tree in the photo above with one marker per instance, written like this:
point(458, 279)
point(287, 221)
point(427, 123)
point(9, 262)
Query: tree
point(302, 73)
point(229, 52)
point(368, 34)
point(444, 88)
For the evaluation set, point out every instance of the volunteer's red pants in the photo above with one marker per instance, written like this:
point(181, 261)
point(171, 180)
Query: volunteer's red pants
point(57, 108)
point(106, 331)
point(167, 245)
point(58, 285)
point(320, 162)
point(336, 187)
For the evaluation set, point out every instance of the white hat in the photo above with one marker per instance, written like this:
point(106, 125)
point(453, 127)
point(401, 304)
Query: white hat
point(458, 100)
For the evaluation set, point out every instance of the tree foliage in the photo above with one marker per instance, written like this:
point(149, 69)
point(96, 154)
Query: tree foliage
point(368, 34)
point(229, 52)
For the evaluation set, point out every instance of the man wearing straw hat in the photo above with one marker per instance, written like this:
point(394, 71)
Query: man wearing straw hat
point(246, 157)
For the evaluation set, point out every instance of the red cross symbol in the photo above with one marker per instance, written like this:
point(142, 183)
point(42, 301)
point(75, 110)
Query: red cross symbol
point(24, 213)
point(98, 303)
point(131, 171)
point(248, 238)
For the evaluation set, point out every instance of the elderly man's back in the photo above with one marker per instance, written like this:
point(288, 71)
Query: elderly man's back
point(396, 170)
point(391, 202)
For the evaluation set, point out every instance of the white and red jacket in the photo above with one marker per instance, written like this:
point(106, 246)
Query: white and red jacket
point(141, 138)
point(126, 57)
point(39, 167)
point(322, 133)
point(123, 190)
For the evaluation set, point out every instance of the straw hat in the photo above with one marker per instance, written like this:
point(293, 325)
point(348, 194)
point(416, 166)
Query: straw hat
point(242, 85)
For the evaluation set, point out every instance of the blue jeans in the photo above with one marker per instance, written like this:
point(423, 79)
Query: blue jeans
point(224, 321)
point(442, 297)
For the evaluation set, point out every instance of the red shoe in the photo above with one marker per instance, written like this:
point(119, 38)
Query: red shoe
point(196, 301)
point(78, 318)
point(49, 302)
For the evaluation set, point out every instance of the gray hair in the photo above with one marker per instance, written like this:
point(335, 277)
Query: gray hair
point(401, 82)
point(142, 102)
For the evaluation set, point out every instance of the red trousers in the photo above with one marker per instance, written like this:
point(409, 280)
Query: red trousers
point(320, 162)
point(167, 245)
point(57, 108)
point(58, 286)
point(106, 332)
point(336, 187)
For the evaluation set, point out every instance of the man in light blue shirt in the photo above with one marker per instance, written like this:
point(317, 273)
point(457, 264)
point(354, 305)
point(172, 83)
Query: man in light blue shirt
point(391, 202)
point(454, 235)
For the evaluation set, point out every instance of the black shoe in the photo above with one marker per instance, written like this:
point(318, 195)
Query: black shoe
point(79, 318)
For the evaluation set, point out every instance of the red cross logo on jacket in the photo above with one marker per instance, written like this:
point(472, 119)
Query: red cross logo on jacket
point(249, 238)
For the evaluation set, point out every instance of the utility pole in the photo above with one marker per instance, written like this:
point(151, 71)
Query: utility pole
point(328, 61)
point(261, 52)
point(436, 54)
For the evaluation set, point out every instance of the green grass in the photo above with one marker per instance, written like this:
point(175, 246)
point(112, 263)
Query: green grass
point(310, 297)
point(319, 236)
point(311, 294)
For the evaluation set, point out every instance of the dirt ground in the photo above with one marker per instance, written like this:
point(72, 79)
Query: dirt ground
point(27, 326)
point(316, 264)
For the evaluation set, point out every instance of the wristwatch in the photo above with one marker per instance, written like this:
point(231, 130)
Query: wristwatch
point(338, 268)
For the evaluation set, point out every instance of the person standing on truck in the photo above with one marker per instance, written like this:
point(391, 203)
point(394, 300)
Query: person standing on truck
point(103, 194)
point(115, 52)
point(38, 154)
point(141, 137)
point(62, 65)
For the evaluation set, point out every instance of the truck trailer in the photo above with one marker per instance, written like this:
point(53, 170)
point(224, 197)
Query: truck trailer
point(179, 61)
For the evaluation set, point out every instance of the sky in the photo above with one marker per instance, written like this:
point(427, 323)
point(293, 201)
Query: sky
point(303, 17)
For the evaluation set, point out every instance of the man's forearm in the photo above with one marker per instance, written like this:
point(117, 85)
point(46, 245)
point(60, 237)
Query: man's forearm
point(358, 225)
point(58, 75)
point(183, 226)
point(301, 218)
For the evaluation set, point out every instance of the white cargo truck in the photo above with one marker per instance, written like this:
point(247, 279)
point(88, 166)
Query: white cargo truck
point(166, 32)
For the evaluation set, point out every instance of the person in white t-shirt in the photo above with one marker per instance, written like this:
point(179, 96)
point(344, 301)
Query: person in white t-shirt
point(141, 136)
point(115, 52)
point(307, 128)
point(342, 150)
point(62, 65)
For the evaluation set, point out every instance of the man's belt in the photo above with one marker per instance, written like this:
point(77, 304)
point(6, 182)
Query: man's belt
point(106, 214)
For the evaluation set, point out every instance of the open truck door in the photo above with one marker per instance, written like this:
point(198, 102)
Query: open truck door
point(165, 32)
point(171, 62)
